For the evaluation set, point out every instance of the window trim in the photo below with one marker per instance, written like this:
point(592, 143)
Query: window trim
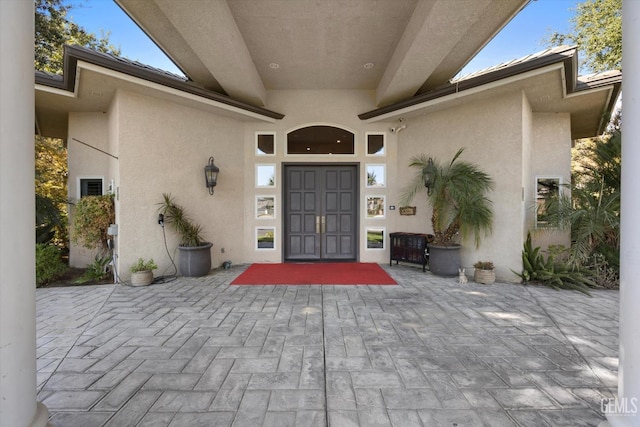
point(79, 180)
point(265, 196)
point(275, 144)
point(384, 171)
point(535, 197)
point(257, 237)
point(366, 206)
point(384, 144)
point(308, 155)
point(366, 241)
point(275, 175)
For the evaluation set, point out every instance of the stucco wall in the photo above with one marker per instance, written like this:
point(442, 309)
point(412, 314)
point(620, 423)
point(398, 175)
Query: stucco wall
point(86, 162)
point(114, 167)
point(491, 132)
point(528, 168)
point(551, 158)
point(164, 148)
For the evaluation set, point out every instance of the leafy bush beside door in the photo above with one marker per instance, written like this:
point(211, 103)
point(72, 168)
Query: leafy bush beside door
point(91, 219)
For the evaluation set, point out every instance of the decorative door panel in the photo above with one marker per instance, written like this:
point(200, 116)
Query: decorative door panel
point(321, 212)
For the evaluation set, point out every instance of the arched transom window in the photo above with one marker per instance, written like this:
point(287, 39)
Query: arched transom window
point(320, 140)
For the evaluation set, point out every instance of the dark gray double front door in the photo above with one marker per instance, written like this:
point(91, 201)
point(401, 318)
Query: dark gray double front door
point(321, 212)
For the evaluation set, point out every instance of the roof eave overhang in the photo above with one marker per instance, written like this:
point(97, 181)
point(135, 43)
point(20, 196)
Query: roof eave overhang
point(567, 58)
point(73, 54)
point(615, 85)
point(564, 60)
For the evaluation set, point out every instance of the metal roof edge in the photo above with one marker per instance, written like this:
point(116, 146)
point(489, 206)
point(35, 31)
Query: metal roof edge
point(72, 54)
point(566, 56)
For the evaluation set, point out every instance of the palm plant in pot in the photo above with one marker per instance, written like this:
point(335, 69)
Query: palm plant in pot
point(195, 252)
point(456, 192)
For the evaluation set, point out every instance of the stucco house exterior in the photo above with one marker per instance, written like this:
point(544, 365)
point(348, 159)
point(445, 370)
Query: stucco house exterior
point(156, 131)
point(258, 71)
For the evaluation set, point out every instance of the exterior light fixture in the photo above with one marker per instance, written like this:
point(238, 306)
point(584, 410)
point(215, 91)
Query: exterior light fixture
point(429, 175)
point(211, 175)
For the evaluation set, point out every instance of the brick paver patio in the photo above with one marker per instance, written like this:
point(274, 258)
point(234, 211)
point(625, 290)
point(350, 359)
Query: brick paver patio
point(429, 352)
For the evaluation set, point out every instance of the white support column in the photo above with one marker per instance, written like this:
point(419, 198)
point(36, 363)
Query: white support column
point(18, 406)
point(628, 403)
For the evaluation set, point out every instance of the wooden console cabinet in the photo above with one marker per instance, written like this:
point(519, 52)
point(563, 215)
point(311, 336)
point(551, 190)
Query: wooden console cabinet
point(410, 247)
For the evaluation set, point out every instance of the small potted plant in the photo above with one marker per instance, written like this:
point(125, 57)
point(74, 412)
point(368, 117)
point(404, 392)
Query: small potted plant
point(484, 272)
point(142, 272)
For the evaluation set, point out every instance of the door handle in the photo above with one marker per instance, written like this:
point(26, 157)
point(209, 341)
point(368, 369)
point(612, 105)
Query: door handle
point(317, 224)
point(323, 226)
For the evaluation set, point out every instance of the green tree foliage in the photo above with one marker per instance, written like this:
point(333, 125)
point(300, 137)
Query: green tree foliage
point(51, 168)
point(592, 213)
point(54, 30)
point(596, 28)
point(91, 220)
point(51, 191)
point(596, 198)
point(49, 264)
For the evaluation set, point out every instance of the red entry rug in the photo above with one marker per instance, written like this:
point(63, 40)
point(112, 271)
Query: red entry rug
point(333, 273)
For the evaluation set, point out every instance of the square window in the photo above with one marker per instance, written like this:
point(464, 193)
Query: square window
point(547, 189)
point(265, 175)
point(375, 238)
point(265, 207)
point(265, 144)
point(375, 144)
point(375, 207)
point(90, 186)
point(265, 238)
point(376, 175)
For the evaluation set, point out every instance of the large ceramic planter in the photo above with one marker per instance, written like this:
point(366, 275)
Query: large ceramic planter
point(195, 261)
point(142, 278)
point(486, 277)
point(444, 260)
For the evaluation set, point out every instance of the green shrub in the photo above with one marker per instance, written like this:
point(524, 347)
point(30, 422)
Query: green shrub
point(91, 220)
point(602, 272)
point(97, 271)
point(49, 264)
point(143, 265)
point(552, 271)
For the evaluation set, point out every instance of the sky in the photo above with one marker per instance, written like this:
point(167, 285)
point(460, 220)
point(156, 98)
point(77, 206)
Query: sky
point(522, 36)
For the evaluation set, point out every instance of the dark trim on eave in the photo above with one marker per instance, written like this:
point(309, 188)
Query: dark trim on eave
point(606, 117)
point(567, 56)
point(73, 54)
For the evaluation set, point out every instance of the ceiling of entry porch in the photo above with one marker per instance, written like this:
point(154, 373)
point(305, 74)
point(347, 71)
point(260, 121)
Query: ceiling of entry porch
point(397, 48)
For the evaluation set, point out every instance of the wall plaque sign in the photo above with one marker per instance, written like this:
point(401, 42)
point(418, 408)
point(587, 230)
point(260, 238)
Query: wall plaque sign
point(407, 210)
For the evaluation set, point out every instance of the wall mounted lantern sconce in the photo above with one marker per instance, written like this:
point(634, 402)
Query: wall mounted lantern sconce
point(429, 175)
point(211, 175)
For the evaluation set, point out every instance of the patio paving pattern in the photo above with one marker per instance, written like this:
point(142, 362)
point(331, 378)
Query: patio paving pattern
point(428, 352)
